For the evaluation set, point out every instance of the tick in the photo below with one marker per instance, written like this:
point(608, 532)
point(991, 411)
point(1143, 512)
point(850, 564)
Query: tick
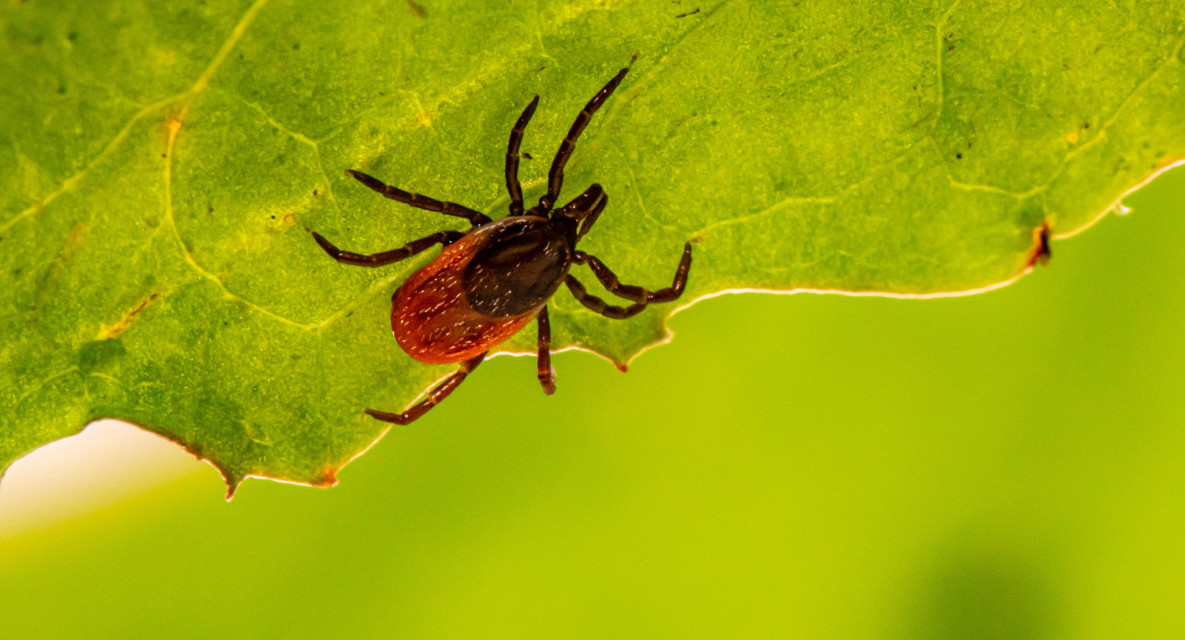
point(488, 283)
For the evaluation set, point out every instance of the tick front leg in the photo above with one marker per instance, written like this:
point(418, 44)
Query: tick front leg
point(555, 177)
point(516, 138)
point(546, 371)
point(434, 396)
point(634, 293)
point(386, 257)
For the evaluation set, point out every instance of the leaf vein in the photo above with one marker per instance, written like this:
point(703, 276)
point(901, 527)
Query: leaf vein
point(820, 200)
point(938, 45)
point(174, 126)
point(301, 138)
point(1110, 121)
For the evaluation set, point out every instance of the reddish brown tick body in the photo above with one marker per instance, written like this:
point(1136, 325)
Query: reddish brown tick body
point(489, 283)
point(440, 316)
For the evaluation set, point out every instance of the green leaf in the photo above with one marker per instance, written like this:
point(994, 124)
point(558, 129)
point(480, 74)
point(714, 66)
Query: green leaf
point(159, 164)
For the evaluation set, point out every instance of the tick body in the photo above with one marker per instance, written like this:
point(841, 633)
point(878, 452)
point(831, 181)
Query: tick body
point(489, 283)
point(480, 290)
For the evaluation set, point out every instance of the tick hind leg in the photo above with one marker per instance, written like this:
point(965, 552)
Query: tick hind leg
point(638, 295)
point(598, 305)
point(434, 398)
point(545, 370)
point(386, 257)
point(418, 201)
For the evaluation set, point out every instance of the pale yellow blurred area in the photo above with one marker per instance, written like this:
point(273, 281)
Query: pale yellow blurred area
point(108, 462)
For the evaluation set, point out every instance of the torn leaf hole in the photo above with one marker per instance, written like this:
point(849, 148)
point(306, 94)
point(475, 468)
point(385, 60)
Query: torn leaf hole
point(1041, 253)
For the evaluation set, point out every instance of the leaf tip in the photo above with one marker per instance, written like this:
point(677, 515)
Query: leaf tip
point(233, 482)
point(327, 478)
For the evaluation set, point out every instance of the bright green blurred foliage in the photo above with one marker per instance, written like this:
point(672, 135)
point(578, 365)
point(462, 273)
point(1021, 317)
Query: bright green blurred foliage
point(1007, 465)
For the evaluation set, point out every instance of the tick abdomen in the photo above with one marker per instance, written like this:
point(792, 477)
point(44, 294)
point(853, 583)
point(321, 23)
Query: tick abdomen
point(479, 291)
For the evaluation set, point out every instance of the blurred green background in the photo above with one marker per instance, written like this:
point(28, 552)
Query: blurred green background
point(1007, 465)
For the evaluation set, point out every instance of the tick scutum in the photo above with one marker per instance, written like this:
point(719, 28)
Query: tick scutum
point(521, 265)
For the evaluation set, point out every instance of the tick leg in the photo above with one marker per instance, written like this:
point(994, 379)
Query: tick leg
point(386, 257)
point(599, 305)
point(555, 177)
point(546, 372)
point(634, 293)
point(516, 137)
point(434, 396)
point(586, 207)
point(418, 201)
